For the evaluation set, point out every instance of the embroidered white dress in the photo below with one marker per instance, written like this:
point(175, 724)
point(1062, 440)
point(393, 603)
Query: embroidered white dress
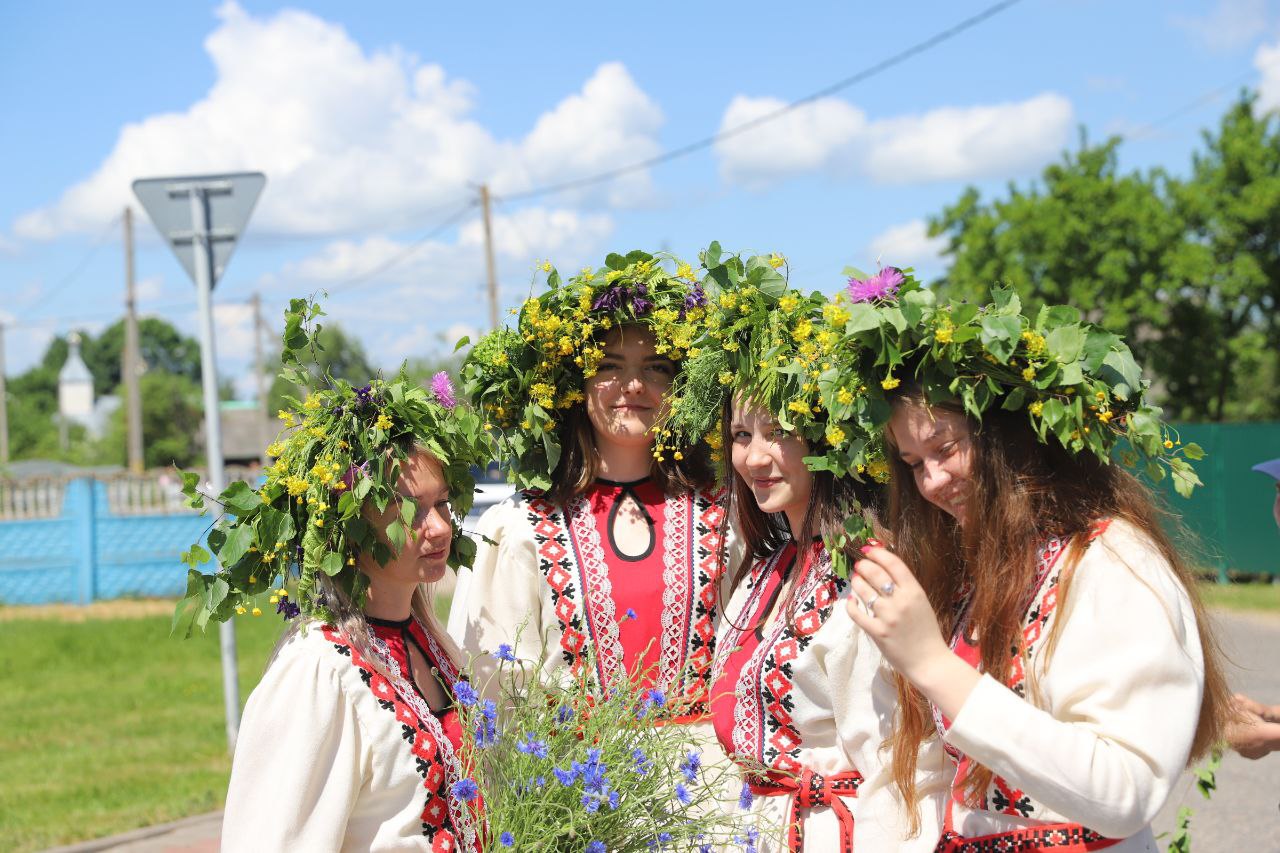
point(1105, 728)
point(332, 756)
point(553, 587)
point(810, 700)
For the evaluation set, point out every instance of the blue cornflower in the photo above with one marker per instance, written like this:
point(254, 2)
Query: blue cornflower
point(489, 710)
point(597, 847)
point(704, 848)
point(506, 839)
point(565, 777)
point(532, 746)
point(504, 653)
point(655, 697)
point(631, 613)
point(682, 794)
point(745, 798)
point(465, 790)
point(486, 733)
point(540, 782)
point(614, 799)
point(465, 694)
point(564, 714)
point(664, 837)
point(690, 766)
point(642, 762)
point(591, 803)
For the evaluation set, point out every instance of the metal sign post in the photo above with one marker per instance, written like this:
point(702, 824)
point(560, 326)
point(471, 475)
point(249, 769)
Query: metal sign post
point(186, 210)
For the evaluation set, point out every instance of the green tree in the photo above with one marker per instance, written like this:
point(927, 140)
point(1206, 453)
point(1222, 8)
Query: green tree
point(160, 346)
point(1187, 270)
point(1219, 352)
point(172, 422)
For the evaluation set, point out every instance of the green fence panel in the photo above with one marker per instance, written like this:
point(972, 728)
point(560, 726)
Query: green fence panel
point(1232, 513)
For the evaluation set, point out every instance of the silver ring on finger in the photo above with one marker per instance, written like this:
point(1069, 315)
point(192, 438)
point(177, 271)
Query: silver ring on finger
point(887, 589)
point(871, 603)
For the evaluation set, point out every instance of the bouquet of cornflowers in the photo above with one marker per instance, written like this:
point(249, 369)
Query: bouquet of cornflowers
point(563, 766)
point(1078, 383)
point(524, 379)
point(337, 458)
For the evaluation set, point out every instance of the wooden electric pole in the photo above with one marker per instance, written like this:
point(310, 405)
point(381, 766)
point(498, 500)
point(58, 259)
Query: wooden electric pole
point(129, 366)
point(488, 257)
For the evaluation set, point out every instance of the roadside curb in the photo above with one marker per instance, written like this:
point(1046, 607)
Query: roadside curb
point(212, 818)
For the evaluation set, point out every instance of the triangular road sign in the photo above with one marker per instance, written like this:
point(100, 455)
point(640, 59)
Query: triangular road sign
point(230, 201)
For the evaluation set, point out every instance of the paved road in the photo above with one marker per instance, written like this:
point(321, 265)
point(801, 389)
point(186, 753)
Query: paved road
point(1242, 817)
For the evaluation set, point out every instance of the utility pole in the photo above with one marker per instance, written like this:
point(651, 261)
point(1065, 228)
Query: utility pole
point(4, 407)
point(264, 421)
point(129, 367)
point(488, 257)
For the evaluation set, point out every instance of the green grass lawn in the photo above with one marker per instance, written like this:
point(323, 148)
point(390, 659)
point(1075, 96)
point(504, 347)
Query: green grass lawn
point(1242, 596)
point(107, 724)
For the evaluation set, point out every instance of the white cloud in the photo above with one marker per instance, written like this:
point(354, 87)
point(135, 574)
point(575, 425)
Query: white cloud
point(1229, 25)
point(351, 139)
point(962, 143)
point(149, 288)
point(814, 137)
point(951, 143)
point(907, 245)
point(1267, 61)
point(233, 328)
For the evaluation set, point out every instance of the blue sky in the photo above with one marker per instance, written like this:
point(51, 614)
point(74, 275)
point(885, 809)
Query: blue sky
point(373, 125)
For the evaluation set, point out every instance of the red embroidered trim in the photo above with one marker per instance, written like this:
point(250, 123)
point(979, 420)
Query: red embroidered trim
point(692, 570)
point(436, 823)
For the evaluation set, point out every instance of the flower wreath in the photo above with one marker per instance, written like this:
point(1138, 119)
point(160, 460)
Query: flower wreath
point(1077, 382)
point(780, 347)
point(523, 379)
point(339, 455)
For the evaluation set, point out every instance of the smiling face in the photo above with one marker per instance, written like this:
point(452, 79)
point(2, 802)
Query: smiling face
point(426, 548)
point(627, 392)
point(937, 445)
point(771, 462)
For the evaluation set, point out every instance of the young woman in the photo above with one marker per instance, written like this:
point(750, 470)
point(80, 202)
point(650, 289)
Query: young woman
point(350, 741)
point(615, 561)
point(1043, 623)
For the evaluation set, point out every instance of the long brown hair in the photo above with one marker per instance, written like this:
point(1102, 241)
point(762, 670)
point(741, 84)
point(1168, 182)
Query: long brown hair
point(1028, 491)
point(579, 463)
point(831, 499)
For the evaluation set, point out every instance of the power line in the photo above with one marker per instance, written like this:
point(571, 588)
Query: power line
point(356, 281)
point(706, 142)
point(1197, 102)
point(83, 263)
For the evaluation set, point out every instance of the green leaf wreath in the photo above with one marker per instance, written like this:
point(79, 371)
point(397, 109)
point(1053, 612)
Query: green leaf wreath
point(523, 379)
point(337, 459)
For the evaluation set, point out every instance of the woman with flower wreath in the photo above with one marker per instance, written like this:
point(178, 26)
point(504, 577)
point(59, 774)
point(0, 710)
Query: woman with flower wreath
point(1046, 629)
point(610, 553)
point(799, 697)
point(351, 740)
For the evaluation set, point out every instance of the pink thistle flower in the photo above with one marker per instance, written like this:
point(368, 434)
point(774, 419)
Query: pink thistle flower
point(882, 285)
point(443, 389)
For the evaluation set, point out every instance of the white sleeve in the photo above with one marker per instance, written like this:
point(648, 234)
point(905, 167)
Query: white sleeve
point(300, 761)
point(504, 593)
point(1120, 695)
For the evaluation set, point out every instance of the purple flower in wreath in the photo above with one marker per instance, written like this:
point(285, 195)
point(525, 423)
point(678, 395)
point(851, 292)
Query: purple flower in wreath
point(364, 396)
point(882, 285)
point(442, 387)
point(287, 608)
point(612, 299)
point(640, 305)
